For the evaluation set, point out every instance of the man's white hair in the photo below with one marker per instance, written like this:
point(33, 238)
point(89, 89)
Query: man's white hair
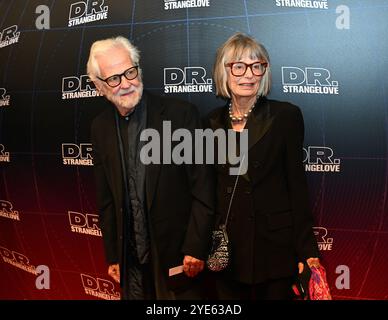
point(101, 47)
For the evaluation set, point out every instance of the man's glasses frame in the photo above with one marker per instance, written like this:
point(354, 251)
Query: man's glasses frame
point(115, 80)
point(255, 71)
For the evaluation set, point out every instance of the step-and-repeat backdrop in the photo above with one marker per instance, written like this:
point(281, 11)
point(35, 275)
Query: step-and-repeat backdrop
point(328, 57)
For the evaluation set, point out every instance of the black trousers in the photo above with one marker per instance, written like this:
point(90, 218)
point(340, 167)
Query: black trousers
point(140, 283)
point(150, 282)
point(276, 289)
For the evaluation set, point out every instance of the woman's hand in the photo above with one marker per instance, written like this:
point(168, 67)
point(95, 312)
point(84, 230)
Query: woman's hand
point(114, 272)
point(311, 262)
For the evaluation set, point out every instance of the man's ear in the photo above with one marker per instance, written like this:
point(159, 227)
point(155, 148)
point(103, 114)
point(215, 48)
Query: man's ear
point(99, 86)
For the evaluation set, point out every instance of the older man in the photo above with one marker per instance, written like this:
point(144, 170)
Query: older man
point(156, 219)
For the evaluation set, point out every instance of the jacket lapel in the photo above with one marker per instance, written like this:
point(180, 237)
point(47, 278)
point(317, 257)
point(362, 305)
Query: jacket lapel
point(259, 123)
point(154, 121)
point(113, 158)
point(220, 120)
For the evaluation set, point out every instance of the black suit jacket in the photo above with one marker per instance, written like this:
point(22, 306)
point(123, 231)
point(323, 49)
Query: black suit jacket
point(270, 224)
point(179, 198)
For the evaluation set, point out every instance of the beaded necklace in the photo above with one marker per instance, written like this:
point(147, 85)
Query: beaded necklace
point(239, 118)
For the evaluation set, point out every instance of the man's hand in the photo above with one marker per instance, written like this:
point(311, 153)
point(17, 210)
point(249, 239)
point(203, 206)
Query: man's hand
point(192, 266)
point(114, 272)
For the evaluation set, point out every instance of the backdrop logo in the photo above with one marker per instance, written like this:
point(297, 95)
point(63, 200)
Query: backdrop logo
point(182, 4)
point(83, 12)
point(17, 260)
point(324, 243)
point(302, 4)
point(84, 223)
point(4, 156)
point(74, 87)
point(9, 36)
point(77, 155)
point(308, 80)
point(188, 79)
point(100, 288)
point(4, 98)
point(320, 159)
point(6, 210)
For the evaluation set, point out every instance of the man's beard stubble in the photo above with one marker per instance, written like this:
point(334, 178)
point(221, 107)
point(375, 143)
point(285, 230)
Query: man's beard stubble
point(124, 103)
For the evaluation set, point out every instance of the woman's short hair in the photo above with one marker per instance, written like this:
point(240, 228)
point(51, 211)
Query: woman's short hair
point(233, 50)
point(101, 47)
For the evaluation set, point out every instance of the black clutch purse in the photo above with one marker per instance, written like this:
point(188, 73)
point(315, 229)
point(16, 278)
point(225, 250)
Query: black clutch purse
point(219, 255)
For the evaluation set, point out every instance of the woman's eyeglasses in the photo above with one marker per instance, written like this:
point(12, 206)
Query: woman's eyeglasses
point(238, 69)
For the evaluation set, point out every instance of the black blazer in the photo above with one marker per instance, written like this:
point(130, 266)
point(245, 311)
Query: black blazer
point(270, 224)
point(180, 198)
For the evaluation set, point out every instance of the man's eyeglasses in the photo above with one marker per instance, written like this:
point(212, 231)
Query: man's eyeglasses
point(238, 69)
point(115, 80)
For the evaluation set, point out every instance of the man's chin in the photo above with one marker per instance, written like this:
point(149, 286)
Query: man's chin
point(128, 102)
